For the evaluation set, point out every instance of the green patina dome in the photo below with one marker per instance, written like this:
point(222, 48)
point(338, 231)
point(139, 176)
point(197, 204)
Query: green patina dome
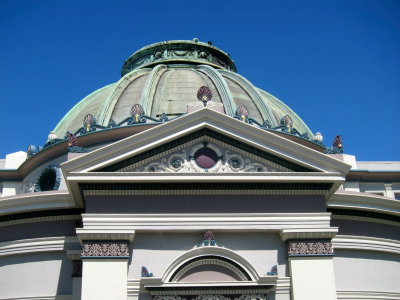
point(165, 78)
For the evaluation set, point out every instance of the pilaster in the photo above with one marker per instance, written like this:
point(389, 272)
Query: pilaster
point(105, 256)
point(310, 256)
point(76, 275)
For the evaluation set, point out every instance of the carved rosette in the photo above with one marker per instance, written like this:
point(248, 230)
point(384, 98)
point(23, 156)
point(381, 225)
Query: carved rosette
point(306, 247)
point(105, 249)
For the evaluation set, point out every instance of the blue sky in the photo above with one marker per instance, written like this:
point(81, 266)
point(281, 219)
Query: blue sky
point(335, 63)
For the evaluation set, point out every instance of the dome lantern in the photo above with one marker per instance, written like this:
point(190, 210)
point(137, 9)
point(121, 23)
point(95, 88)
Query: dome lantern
point(178, 52)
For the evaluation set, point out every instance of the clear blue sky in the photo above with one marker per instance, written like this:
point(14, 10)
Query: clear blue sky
point(336, 63)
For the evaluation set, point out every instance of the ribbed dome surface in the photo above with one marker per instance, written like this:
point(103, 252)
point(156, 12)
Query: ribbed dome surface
point(169, 87)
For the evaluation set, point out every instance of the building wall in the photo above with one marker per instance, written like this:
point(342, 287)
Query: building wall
point(367, 271)
point(34, 275)
point(157, 251)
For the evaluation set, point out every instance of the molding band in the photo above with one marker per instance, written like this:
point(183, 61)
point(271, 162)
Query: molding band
point(366, 244)
point(51, 244)
point(370, 295)
point(105, 249)
point(366, 216)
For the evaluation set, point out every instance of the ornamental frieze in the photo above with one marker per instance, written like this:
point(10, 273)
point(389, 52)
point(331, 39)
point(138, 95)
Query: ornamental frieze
point(106, 249)
point(308, 247)
point(205, 155)
point(210, 296)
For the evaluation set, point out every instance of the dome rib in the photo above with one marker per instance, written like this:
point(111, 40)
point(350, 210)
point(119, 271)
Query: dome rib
point(108, 107)
point(222, 88)
point(254, 95)
point(149, 89)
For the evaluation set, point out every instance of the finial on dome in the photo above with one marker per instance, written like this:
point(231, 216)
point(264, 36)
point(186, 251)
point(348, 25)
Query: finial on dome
point(52, 136)
point(204, 94)
point(137, 111)
point(88, 121)
point(242, 112)
point(337, 142)
point(318, 137)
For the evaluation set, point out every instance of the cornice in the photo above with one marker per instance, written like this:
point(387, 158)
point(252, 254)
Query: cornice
point(364, 201)
point(366, 243)
point(49, 244)
point(40, 216)
point(105, 234)
point(157, 287)
point(364, 216)
point(188, 222)
point(35, 201)
point(308, 233)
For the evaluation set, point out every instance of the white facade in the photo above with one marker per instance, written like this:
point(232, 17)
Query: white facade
point(204, 206)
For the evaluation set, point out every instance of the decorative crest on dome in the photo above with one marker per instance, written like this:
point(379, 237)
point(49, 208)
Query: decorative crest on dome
point(88, 121)
point(337, 142)
point(337, 146)
point(242, 112)
point(204, 94)
point(287, 122)
point(73, 144)
point(72, 140)
point(137, 111)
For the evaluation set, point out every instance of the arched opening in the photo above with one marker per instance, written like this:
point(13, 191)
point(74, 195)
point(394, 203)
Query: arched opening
point(48, 180)
point(210, 268)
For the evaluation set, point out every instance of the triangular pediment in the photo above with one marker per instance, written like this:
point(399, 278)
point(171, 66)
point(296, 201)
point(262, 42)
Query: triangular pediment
point(204, 151)
point(168, 155)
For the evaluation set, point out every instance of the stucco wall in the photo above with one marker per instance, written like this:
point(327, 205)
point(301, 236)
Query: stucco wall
point(42, 274)
point(158, 251)
point(366, 271)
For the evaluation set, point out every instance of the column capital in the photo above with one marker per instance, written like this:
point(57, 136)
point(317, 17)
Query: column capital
point(105, 249)
point(85, 234)
point(308, 233)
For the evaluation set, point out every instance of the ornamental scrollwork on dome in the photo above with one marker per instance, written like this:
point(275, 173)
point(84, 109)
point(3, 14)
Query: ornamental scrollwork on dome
point(197, 52)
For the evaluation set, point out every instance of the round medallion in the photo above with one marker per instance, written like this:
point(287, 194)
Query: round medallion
point(206, 158)
point(176, 163)
point(235, 163)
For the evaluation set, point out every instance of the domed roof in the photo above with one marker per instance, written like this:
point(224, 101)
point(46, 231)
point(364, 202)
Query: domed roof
point(164, 79)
